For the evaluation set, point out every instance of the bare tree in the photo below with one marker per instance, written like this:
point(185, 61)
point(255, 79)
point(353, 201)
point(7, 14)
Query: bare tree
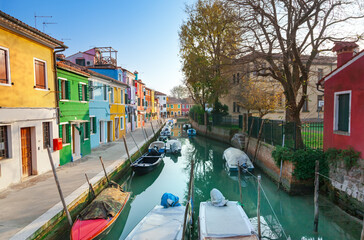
point(179, 92)
point(288, 35)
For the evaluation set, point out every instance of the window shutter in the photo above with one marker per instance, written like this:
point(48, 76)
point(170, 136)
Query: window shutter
point(68, 135)
point(60, 88)
point(87, 93)
point(94, 124)
point(80, 92)
point(87, 130)
point(68, 89)
point(60, 131)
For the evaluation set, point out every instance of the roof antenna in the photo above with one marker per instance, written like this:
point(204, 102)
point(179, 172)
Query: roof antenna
point(35, 19)
point(47, 23)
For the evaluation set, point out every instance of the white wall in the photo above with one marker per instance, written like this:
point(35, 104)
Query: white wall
point(11, 168)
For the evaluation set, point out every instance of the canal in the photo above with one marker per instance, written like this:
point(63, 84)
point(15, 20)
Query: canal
point(294, 213)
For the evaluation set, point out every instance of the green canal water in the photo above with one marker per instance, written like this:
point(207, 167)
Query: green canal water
point(295, 213)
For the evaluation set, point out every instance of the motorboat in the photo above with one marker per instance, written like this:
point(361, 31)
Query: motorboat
point(160, 146)
point(236, 158)
point(223, 219)
point(173, 146)
point(164, 222)
point(147, 162)
point(191, 132)
point(163, 138)
point(96, 220)
point(187, 126)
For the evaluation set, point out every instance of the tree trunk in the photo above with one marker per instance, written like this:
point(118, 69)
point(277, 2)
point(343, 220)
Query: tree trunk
point(294, 121)
point(250, 133)
point(258, 141)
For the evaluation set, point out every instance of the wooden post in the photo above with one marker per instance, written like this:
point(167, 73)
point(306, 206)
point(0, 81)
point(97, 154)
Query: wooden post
point(258, 208)
point(146, 135)
point(190, 192)
point(151, 124)
point(90, 186)
point(315, 222)
point(103, 166)
point(280, 174)
point(362, 231)
point(135, 144)
point(250, 133)
point(258, 141)
point(145, 138)
point(126, 149)
point(59, 187)
point(239, 180)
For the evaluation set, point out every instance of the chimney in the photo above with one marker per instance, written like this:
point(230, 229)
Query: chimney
point(344, 51)
point(60, 56)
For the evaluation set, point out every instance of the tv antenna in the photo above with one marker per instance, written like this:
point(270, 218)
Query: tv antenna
point(65, 39)
point(35, 19)
point(47, 23)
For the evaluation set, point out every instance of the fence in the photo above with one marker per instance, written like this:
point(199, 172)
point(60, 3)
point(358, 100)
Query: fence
point(218, 120)
point(277, 132)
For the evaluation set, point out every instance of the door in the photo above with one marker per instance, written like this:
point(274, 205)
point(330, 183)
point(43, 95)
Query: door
point(117, 128)
point(26, 151)
point(76, 142)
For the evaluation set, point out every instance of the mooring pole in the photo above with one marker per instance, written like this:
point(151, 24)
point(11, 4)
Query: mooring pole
point(126, 149)
point(315, 222)
point(239, 180)
point(258, 208)
point(280, 174)
point(362, 231)
point(190, 193)
point(59, 187)
point(145, 138)
point(103, 166)
point(152, 128)
point(90, 186)
point(146, 135)
point(136, 143)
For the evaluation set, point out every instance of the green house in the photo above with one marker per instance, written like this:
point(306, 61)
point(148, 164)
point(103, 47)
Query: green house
point(74, 125)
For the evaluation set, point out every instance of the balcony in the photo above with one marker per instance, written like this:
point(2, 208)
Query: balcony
point(105, 56)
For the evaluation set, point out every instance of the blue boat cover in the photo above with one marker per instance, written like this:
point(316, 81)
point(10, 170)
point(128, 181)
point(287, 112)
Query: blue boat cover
point(169, 200)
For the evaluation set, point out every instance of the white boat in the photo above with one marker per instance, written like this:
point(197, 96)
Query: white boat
point(160, 146)
point(187, 126)
point(191, 132)
point(236, 158)
point(224, 220)
point(173, 146)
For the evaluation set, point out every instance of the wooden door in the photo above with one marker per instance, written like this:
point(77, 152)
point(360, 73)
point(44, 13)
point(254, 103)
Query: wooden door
point(26, 151)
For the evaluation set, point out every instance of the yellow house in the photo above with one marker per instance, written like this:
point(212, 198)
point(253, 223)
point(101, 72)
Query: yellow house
point(173, 107)
point(117, 108)
point(28, 100)
point(154, 113)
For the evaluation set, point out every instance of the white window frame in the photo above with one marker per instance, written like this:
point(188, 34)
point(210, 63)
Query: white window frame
point(91, 125)
point(112, 98)
point(84, 93)
point(65, 123)
point(8, 66)
point(84, 131)
point(9, 129)
point(91, 96)
point(45, 77)
point(63, 99)
point(336, 113)
point(122, 93)
point(121, 122)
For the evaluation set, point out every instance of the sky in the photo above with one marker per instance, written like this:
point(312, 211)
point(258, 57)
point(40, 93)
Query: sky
point(144, 32)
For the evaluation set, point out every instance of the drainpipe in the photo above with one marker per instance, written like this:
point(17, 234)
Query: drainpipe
point(61, 49)
point(318, 86)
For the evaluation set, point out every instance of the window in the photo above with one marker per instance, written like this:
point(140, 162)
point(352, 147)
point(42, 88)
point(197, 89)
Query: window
point(46, 135)
point(82, 92)
point(179, 106)
point(179, 113)
point(320, 74)
point(143, 103)
point(4, 142)
point(111, 95)
point(105, 92)
point(121, 123)
point(164, 105)
point(320, 99)
point(119, 77)
point(121, 96)
point(164, 98)
point(91, 90)
point(305, 105)
point(64, 89)
point(171, 105)
point(138, 101)
point(4, 66)
point(88, 63)
point(80, 61)
point(65, 133)
point(183, 106)
point(93, 126)
point(86, 130)
point(172, 112)
point(40, 74)
point(167, 105)
point(234, 106)
point(342, 111)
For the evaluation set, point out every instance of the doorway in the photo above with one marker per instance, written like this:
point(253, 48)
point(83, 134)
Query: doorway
point(76, 144)
point(109, 131)
point(116, 128)
point(26, 151)
point(102, 132)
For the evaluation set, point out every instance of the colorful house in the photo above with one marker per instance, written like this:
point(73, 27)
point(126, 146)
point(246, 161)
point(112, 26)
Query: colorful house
point(28, 100)
point(186, 105)
point(99, 108)
point(162, 99)
point(139, 91)
point(154, 112)
point(174, 107)
point(148, 103)
point(117, 108)
point(130, 100)
point(344, 93)
point(74, 126)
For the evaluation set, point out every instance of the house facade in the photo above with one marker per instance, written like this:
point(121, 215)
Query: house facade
point(130, 100)
point(74, 126)
point(117, 109)
point(344, 93)
point(140, 94)
point(27, 124)
point(162, 99)
point(174, 107)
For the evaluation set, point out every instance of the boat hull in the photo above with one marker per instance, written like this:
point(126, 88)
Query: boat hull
point(146, 163)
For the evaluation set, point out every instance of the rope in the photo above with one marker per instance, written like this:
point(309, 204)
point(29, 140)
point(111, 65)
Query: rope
point(328, 178)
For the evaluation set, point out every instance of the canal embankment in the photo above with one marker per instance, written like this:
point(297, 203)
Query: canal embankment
point(40, 214)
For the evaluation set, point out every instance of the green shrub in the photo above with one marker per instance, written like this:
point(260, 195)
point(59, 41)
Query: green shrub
point(349, 156)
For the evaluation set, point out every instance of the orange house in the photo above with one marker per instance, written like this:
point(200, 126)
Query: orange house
point(140, 94)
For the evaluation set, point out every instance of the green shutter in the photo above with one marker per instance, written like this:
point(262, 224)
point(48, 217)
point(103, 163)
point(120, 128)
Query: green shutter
point(68, 135)
point(87, 93)
point(60, 88)
point(94, 124)
point(80, 92)
point(60, 131)
point(87, 130)
point(343, 114)
point(68, 90)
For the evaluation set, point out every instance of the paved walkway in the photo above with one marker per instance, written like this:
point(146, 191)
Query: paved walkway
point(22, 203)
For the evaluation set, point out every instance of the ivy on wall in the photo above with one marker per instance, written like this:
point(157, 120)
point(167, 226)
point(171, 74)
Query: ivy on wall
point(349, 157)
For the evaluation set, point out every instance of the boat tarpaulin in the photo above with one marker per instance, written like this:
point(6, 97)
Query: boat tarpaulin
point(107, 204)
point(235, 157)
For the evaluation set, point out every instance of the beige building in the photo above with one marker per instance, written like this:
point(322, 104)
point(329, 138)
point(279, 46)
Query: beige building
point(321, 66)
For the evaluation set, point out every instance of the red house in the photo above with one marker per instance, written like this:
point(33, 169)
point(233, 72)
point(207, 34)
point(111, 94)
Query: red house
point(344, 100)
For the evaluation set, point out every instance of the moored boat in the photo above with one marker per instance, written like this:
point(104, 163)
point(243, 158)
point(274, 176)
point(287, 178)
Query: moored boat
point(173, 146)
point(236, 158)
point(191, 132)
point(187, 126)
point(96, 220)
point(147, 162)
point(160, 146)
point(223, 219)
point(164, 222)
